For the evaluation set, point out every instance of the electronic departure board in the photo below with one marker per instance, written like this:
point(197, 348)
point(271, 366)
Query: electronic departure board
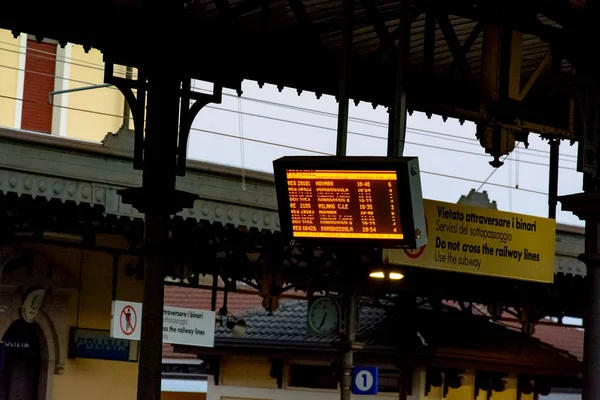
point(362, 199)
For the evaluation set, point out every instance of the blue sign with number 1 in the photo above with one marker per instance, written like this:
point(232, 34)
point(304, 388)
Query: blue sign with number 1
point(365, 380)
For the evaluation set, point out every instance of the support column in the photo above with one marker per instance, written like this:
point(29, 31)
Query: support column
point(553, 178)
point(591, 341)
point(126, 108)
point(348, 362)
point(343, 98)
point(349, 306)
point(398, 116)
point(157, 199)
point(586, 206)
point(162, 128)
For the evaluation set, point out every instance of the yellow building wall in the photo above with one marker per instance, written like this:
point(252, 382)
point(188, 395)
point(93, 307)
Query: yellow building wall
point(254, 373)
point(91, 114)
point(467, 390)
point(182, 396)
point(9, 63)
point(91, 309)
point(248, 372)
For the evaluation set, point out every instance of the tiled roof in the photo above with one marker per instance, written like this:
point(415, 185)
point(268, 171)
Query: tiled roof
point(565, 338)
point(176, 296)
point(288, 324)
point(561, 337)
point(451, 335)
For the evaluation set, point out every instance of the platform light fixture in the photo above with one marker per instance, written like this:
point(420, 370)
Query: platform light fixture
point(392, 275)
point(395, 276)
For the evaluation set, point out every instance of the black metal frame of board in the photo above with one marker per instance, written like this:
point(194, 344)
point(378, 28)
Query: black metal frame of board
point(410, 198)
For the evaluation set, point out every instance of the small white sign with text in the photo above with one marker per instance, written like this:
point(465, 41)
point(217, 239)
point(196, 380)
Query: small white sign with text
point(188, 326)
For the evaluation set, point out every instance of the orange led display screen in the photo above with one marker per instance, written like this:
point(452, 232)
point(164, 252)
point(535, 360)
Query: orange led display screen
point(344, 204)
point(355, 201)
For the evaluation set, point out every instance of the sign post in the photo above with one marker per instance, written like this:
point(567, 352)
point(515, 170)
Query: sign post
point(483, 241)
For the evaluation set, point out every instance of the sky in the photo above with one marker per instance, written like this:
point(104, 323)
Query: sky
point(273, 124)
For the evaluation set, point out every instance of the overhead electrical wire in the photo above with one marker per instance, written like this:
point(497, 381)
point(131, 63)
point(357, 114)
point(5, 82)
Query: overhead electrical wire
point(425, 132)
point(316, 152)
point(371, 122)
point(493, 172)
point(298, 149)
point(302, 124)
point(422, 132)
point(376, 137)
point(304, 150)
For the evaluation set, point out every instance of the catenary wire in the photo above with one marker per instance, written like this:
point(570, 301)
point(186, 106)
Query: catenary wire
point(376, 137)
point(423, 132)
point(493, 172)
point(315, 126)
point(302, 149)
point(299, 149)
point(316, 152)
point(312, 126)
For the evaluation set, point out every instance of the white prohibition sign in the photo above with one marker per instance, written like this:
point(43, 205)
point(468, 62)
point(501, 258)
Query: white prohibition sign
point(363, 381)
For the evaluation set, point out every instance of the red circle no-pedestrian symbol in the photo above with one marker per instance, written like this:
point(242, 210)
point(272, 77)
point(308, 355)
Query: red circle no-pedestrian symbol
point(128, 320)
point(414, 254)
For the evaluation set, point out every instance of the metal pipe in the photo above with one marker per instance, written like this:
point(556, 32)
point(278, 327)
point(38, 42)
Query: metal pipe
point(79, 89)
point(347, 39)
point(591, 324)
point(397, 117)
point(553, 179)
point(213, 294)
point(158, 186)
point(126, 107)
point(349, 306)
point(115, 276)
point(351, 319)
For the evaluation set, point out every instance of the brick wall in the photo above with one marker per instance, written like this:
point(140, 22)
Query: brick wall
point(40, 67)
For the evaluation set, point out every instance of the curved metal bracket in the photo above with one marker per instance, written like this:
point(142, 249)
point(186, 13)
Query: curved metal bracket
point(188, 114)
point(136, 104)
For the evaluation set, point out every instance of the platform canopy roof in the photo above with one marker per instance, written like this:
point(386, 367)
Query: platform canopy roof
point(298, 44)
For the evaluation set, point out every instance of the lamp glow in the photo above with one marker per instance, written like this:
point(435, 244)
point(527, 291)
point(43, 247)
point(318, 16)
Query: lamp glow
point(377, 274)
point(396, 276)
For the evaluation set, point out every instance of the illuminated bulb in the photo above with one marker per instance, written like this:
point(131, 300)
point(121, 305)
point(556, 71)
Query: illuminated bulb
point(378, 274)
point(396, 276)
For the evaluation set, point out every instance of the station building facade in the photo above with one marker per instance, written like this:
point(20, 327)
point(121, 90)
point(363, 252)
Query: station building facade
point(460, 356)
point(54, 290)
point(30, 71)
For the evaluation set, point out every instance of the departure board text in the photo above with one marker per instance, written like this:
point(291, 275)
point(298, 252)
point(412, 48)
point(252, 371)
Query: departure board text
point(344, 204)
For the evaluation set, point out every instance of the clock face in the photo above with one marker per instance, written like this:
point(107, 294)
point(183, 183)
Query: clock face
point(324, 316)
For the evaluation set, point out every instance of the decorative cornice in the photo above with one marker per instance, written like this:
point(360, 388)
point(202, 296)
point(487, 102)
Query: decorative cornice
point(82, 172)
point(40, 166)
point(569, 266)
point(105, 195)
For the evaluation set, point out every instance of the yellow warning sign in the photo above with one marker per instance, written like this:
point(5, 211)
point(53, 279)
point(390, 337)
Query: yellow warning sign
point(483, 241)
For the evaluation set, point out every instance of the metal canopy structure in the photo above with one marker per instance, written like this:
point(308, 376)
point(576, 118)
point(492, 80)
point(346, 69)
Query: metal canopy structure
point(450, 48)
point(511, 67)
